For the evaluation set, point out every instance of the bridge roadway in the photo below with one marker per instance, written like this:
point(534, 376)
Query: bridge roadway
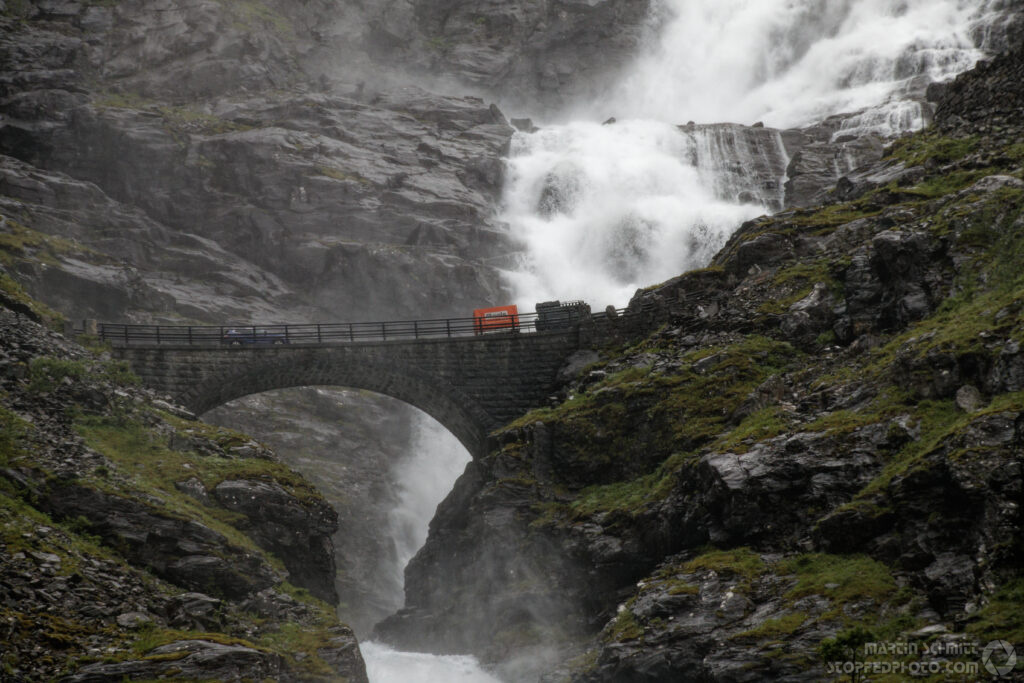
point(471, 382)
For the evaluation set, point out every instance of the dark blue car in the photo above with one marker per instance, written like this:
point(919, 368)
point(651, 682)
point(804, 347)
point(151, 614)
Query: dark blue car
point(249, 335)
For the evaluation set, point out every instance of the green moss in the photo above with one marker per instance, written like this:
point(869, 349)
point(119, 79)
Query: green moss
point(758, 426)
point(14, 292)
point(179, 120)
point(625, 627)
point(300, 645)
point(834, 215)
point(948, 183)
point(889, 403)
point(151, 636)
point(624, 497)
point(438, 44)
point(58, 632)
point(916, 149)
point(46, 373)
point(680, 411)
point(743, 563)
point(20, 242)
point(1002, 617)
point(840, 578)
point(775, 628)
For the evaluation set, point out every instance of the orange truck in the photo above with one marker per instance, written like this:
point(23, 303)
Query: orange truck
point(497, 319)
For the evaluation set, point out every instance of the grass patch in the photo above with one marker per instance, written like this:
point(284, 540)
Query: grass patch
point(775, 628)
point(625, 627)
point(842, 579)
point(1002, 617)
point(743, 563)
point(47, 374)
point(917, 149)
point(20, 242)
point(13, 294)
point(940, 185)
point(758, 426)
point(141, 449)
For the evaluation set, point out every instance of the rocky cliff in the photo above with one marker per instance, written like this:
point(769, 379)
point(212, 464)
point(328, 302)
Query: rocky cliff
point(138, 543)
point(815, 443)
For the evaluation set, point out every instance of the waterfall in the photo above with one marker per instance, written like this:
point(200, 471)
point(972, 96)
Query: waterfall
point(422, 480)
point(793, 62)
point(600, 210)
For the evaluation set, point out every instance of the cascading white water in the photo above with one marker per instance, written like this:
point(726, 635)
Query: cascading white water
point(423, 479)
point(792, 62)
point(385, 665)
point(601, 210)
point(604, 208)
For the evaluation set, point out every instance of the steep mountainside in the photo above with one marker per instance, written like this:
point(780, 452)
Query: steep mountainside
point(545, 55)
point(229, 162)
point(137, 543)
point(816, 441)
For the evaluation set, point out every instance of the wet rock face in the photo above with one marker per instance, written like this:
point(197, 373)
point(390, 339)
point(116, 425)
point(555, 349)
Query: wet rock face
point(546, 54)
point(297, 532)
point(210, 122)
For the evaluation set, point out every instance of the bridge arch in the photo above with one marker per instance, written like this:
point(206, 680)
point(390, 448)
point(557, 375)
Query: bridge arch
point(458, 413)
point(471, 385)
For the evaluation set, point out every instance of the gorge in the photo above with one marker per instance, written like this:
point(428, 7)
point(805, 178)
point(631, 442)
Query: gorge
point(814, 429)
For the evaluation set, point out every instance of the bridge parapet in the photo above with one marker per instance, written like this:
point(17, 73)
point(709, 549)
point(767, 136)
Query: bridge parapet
point(472, 385)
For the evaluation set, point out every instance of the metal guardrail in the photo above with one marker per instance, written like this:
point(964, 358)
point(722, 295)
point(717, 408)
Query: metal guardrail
point(323, 333)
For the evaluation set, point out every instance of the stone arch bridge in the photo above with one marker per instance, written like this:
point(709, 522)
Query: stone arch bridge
point(470, 380)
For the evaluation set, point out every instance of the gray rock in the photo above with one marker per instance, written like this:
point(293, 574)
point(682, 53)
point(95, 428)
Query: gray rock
point(299, 532)
point(133, 619)
point(198, 659)
point(969, 399)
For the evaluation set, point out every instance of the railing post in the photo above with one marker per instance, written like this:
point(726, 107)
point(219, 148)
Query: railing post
point(125, 335)
point(158, 335)
point(415, 329)
point(448, 326)
point(384, 331)
point(351, 333)
point(190, 335)
point(286, 337)
point(319, 338)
